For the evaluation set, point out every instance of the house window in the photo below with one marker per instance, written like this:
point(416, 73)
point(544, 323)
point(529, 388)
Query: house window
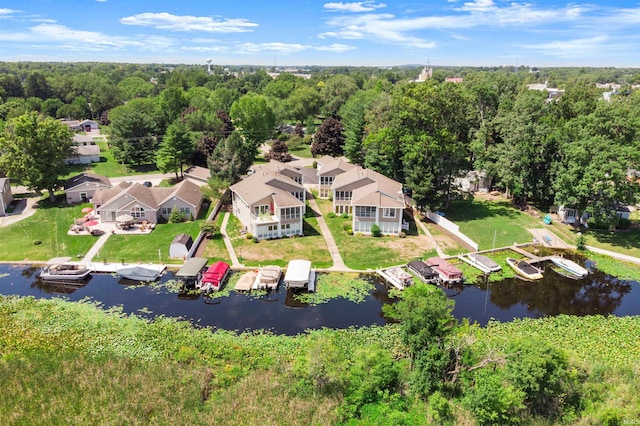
point(261, 209)
point(185, 211)
point(389, 213)
point(326, 180)
point(324, 193)
point(290, 213)
point(165, 211)
point(365, 211)
point(84, 197)
point(137, 212)
point(342, 196)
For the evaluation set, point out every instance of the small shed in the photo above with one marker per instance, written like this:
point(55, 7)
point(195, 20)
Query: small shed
point(180, 246)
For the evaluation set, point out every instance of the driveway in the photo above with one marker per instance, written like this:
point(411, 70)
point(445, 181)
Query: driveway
point(24, 209)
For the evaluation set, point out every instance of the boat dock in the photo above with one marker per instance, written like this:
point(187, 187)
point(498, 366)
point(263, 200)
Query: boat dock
point(112, 267)
point(477, 265)
point(396, 276)
point(532, 257)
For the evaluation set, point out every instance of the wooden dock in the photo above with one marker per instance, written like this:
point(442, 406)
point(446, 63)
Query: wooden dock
point(532, 257)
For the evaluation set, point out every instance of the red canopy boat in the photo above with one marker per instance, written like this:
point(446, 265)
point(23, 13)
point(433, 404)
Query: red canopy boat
point(214, 277)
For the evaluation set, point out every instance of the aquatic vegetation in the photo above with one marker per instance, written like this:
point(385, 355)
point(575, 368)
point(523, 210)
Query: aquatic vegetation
point(332, 286)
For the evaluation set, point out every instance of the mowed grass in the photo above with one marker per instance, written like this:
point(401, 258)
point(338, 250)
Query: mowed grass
point(626, 242)
point(214, 248)
point(480, 220)
point(280, 251)
point(49, 226)
point(362, 252)
point(153, 247)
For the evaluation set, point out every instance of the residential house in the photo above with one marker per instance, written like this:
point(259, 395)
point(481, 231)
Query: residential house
point(80, 188)
point(371, 198)
point(573, 216)
point(147, 203)
point(198, 175)
point(282, 168)
point(81, 126)
point(85, 151)
point(6, 197)
point(269, 203)
point(328, 169)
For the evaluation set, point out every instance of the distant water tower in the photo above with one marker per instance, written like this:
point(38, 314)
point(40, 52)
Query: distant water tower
point(209, 66)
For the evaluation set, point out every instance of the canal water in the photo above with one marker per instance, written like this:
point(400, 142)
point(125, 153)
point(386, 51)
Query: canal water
point(599, 293)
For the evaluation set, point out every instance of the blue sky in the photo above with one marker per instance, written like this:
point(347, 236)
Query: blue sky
point(310, 32)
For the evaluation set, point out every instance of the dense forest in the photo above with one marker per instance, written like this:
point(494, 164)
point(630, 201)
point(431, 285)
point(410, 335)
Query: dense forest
point(562, 145)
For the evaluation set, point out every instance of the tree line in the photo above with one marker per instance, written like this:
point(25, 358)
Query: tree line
point(576, 150)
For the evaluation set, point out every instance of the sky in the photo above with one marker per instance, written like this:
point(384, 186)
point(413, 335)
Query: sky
point(309, 32)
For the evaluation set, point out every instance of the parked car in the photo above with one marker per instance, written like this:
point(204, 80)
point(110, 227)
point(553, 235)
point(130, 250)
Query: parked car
point(147, 184)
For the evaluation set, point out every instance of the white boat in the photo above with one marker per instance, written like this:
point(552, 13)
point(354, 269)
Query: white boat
point(141, 272)
point(484, 263)
point(524, 268)
point(300, 275)
point(61, 269)
point(396, 276)
point(569, 266)
point(267, 277)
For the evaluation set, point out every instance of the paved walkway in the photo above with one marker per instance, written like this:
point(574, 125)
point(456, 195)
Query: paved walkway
point(24, 210)
point(235, 263)
point(95, 248)
point(338, 263)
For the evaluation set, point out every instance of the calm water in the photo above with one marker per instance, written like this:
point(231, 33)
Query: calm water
point(279, 312)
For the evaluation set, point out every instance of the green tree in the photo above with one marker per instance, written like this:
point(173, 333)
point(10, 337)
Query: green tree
point(133, 136)
point(335, 91)
point(176, 149)
point(50, 107)
point(38, 86)
point(425, 324)
point(303, 102)
point(134, 87)
point(34, 149)
point(352, 115)
point(254, 118)
point(231, 159)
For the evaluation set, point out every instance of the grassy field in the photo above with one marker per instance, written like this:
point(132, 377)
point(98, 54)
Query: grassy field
point(626, 242)
point(303, 151)
point(280, 251)
point(481, 219)
point(90, 366)
point(48, 226)
point(365, 252)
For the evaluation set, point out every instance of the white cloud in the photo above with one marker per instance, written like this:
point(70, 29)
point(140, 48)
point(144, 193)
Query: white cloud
point(101, 1)
point(167, 21)
point(336, 47)
point(73, 39)
point(570, 48)
point(355, 7)
point(7, 13)
point(283, 48)
point(205, 48)
point(478, 6)
point(205, 40)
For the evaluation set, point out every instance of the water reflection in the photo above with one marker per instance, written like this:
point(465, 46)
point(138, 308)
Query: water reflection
point(283, 313)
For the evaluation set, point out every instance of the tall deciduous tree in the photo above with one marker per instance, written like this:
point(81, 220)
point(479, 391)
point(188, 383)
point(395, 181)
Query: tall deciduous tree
point(176, 150)
point(329, 139)
point(303, 102)
point(33, 150)
point(134, 136)
point(254, 119)
point(335, 92)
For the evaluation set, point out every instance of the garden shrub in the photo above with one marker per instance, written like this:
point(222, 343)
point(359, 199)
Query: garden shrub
point(623, 223)
point(346, 226)
point(345, 215)
point(581, 242)
point(331, 215)
point(255, 239)
point(402, 234)
point(249, 236)
point(375, 230)
point(349, 231)
point(175, 216)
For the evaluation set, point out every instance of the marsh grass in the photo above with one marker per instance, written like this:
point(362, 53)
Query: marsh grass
point(348, 286)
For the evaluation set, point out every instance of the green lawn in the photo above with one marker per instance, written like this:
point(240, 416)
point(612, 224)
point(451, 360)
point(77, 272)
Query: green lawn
point(280, 251)
point(365, 252)
point(303, 151)
point(626, 242)
point(480, 220)
point(153, 247)
point(49, 225)
point(215, 248)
